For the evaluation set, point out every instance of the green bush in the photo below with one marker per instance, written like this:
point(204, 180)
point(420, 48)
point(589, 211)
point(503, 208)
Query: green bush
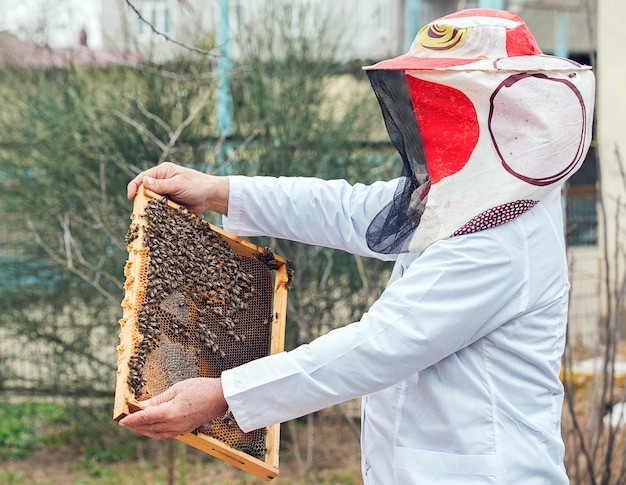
point(28, 426)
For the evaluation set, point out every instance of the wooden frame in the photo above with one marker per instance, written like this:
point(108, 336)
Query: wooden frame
point(125, 402)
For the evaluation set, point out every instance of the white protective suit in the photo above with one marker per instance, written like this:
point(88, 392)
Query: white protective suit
point(458, 360)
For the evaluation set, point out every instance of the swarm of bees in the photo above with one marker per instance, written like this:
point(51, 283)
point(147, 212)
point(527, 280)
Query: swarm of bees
point(204, 308)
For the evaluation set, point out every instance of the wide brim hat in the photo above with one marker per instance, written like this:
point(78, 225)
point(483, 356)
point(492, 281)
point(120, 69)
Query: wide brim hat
point(475, 39)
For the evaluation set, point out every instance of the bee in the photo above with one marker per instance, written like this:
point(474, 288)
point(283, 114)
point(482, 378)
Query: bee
point(267, 257)
point(228, 419)
point(290, 272)
point(132, 234)
point(229, 322)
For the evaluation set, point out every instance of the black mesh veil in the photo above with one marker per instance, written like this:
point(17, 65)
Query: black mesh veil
point(391, 230)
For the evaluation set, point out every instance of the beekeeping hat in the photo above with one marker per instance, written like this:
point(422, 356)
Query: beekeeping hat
point(486, 126)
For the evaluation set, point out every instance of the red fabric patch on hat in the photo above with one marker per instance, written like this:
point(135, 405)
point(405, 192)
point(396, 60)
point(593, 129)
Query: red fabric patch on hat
point(448, 124)
point(521, 42)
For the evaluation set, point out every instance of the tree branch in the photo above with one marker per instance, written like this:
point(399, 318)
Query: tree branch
point(67, 262)
point(142, 129)
point(165, 36)
point(192, 115)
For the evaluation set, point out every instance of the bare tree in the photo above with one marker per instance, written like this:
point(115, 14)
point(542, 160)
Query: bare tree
point(594, 424)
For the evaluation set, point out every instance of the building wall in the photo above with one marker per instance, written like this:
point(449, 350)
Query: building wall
point(611, 126)
point(370, 29)
point(184, 22)
point(366, 29)
point(370, 33)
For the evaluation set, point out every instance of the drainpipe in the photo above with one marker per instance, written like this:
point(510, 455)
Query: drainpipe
point(497, 4)
point(561, 37)
point(224, 67)
point(412, 21)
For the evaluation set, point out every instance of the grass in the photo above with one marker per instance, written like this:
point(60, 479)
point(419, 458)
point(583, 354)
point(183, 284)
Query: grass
point(26, 427)
point(9, 475)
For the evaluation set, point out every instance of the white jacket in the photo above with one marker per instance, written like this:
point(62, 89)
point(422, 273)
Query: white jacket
point(458, 360)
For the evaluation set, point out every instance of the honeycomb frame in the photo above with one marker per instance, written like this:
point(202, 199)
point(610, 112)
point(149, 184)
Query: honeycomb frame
point(139, 257)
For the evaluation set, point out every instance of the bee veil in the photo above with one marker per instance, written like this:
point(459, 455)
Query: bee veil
point(486, 126)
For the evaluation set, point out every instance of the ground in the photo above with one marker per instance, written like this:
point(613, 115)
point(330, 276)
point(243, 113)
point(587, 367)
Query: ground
point(335, 460)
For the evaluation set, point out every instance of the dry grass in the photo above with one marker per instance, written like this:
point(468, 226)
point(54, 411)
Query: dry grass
point(595, 447)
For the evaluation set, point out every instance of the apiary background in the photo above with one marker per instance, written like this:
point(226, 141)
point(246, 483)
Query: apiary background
point(198, 301)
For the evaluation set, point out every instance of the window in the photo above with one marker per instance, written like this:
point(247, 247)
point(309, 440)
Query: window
point(157, 13)
point(581, 199)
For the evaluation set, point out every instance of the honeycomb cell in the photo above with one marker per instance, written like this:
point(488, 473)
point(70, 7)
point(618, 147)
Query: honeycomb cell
point(200, 308)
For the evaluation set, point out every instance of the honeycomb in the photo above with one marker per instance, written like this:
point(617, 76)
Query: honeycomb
point(197, 304)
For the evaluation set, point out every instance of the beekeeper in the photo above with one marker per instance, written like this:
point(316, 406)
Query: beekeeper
point(458, 360)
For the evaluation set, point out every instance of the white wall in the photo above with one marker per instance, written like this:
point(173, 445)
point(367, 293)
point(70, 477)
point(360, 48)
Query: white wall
point(368, 29)
point(611, 124)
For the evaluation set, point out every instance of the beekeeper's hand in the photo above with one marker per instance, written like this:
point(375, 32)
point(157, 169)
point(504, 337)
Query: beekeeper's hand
point(181, 409)
point(195, 190)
